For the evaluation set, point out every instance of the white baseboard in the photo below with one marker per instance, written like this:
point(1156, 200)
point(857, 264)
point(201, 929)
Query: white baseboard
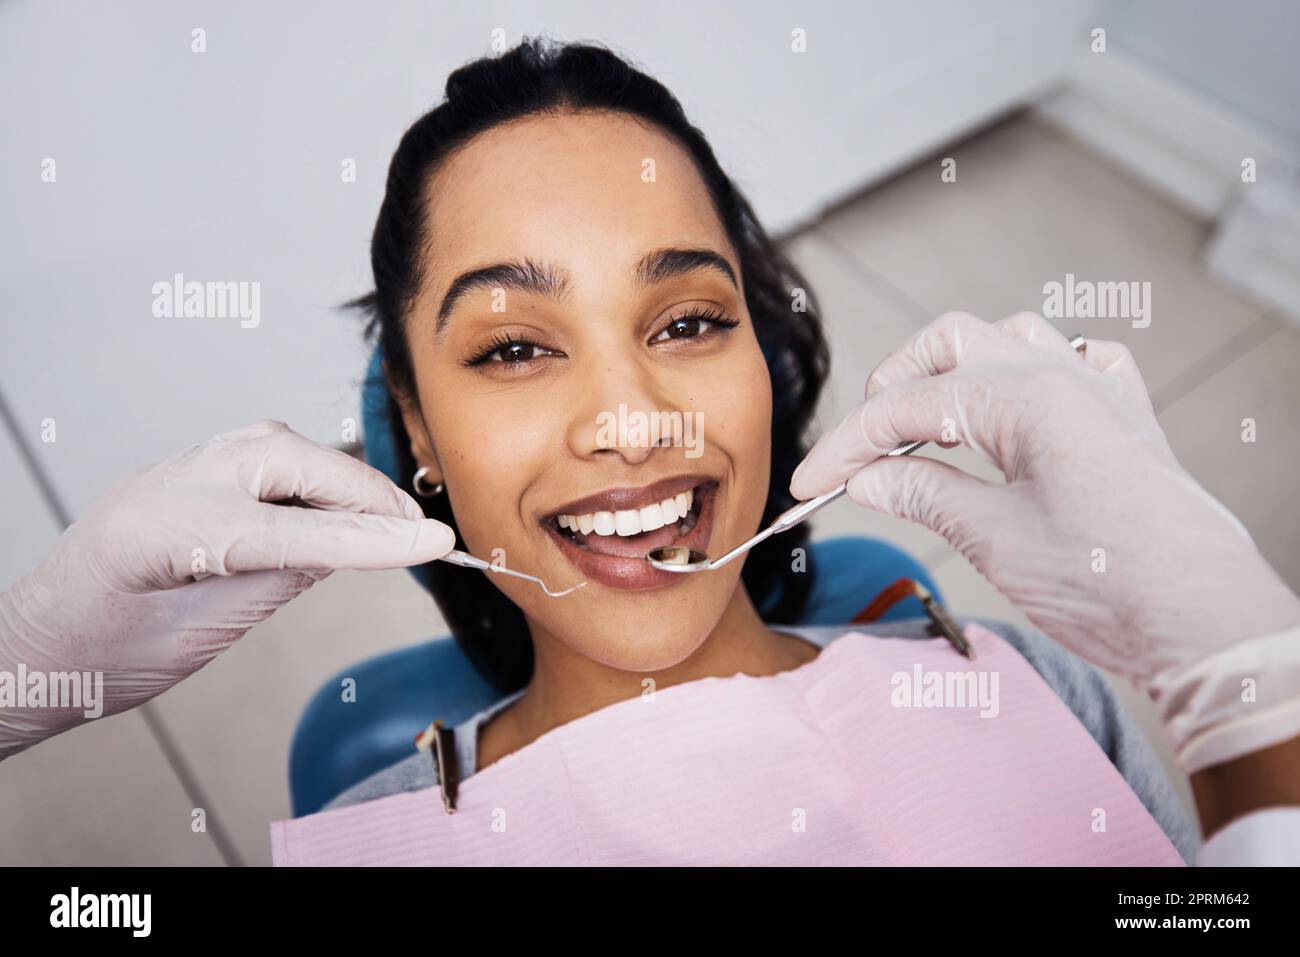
point(1190, 149)
point(1256, 246)
point(1181, 143)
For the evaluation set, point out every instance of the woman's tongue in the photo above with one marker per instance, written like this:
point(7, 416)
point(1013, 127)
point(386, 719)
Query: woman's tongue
point(631, 546)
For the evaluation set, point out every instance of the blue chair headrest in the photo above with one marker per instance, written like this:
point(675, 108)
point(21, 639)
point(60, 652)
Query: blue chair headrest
point(375, 423)
point(377, 426)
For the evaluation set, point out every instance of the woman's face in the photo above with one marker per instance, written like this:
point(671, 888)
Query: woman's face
point(583, 357)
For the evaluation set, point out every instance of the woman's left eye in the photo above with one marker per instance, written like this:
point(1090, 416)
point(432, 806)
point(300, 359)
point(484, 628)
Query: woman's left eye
point(693, 325)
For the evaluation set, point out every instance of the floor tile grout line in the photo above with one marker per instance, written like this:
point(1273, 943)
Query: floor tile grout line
point(1210, 365)
point(193, 789)
point(49, 493)
point(59, 512)
point(912, 310)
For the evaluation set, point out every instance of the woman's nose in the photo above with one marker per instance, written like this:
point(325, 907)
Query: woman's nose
point(622, 409)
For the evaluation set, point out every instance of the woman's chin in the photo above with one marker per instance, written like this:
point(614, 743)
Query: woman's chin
point(643, 653)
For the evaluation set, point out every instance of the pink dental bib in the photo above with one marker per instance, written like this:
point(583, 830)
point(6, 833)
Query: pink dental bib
point(883, 751)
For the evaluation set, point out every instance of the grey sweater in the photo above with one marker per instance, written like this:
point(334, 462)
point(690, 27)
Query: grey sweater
point(1082, 687)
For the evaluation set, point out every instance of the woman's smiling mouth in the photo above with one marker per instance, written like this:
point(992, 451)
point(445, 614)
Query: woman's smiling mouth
point(606, 536)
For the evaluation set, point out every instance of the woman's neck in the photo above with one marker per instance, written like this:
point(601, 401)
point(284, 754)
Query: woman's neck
point(567, 685)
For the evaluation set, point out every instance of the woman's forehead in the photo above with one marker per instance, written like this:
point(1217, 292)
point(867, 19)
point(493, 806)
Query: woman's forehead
point(569, 188)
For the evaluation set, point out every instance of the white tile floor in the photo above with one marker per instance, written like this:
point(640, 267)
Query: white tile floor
point(1027, 207)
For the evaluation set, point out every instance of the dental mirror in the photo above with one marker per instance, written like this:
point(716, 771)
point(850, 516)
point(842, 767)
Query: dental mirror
point(677, 558)
point(685, 561)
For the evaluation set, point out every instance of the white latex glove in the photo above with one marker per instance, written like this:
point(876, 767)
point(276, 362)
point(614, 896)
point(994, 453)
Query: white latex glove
point(1186, 606)
point(118, 593)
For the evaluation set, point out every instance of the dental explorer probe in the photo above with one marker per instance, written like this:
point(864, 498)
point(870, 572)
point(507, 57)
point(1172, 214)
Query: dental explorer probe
point(684, 561)
point(457, 557)
point(466, 560)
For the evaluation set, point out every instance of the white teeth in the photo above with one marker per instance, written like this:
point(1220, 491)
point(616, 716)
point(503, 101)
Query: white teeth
point(652, 517)
point(631, 521)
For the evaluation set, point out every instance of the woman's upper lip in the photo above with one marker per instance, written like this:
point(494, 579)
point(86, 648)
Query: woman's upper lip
point(623, 499)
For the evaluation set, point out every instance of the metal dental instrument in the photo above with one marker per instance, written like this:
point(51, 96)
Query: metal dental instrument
point(684, 561)
point(466, 560)
point(457, 557)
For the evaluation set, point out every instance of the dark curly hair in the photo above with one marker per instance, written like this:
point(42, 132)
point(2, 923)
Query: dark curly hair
point(539, 76)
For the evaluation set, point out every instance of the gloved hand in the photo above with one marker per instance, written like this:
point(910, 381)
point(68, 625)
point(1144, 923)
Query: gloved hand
point(118, 593)
point(1099, 535)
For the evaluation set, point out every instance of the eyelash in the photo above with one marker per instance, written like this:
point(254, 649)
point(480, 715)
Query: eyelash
point(713, 316)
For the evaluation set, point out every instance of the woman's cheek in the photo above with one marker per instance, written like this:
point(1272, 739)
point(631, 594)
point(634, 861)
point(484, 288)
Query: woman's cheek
point(486, 456)
point(739, 406)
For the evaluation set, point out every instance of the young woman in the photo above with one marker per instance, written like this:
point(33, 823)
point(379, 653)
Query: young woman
point(558, 242)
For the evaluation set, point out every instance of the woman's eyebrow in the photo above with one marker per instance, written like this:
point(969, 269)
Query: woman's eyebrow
point(539, 279)
point(543, 279)
point(669, 263)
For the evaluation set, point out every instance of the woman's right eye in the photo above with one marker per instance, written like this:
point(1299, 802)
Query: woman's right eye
point(508, 351)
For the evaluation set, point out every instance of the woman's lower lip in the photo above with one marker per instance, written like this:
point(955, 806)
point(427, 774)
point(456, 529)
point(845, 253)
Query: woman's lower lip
point(637, 573)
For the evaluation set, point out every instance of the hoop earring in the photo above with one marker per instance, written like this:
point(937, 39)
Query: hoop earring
point(422, 490)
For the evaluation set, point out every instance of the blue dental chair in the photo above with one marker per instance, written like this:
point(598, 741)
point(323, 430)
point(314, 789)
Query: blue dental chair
point(337, 743)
